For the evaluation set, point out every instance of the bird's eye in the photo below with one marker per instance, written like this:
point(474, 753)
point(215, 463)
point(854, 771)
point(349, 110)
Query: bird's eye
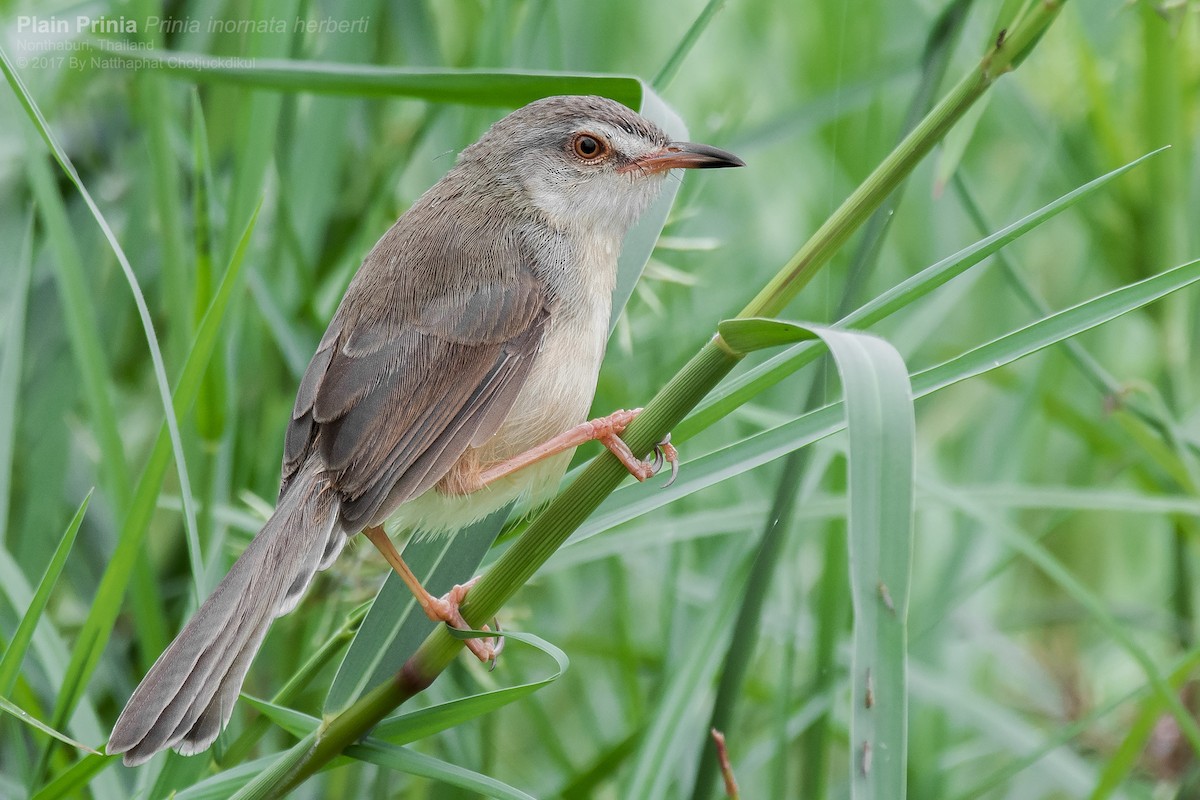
point(588, 147)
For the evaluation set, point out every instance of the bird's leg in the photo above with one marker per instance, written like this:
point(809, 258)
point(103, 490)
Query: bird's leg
point(607, 431)
point(439, 609)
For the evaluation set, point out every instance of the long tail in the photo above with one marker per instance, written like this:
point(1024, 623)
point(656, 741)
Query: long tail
point(188, 695)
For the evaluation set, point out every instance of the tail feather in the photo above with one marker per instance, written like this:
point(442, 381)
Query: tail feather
point(188, 695)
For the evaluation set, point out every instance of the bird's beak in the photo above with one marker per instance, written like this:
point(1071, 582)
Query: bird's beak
point(683, 155)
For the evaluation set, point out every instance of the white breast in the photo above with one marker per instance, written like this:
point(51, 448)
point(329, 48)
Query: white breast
point(557, 396)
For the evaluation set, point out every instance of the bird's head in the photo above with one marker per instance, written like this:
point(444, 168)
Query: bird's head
point(585, 161)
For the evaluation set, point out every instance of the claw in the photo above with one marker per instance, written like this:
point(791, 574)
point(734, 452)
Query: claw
point(497, 647)
point(665, 451)
point(674, 473)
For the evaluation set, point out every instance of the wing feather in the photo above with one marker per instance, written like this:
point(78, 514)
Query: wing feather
point(424, 358)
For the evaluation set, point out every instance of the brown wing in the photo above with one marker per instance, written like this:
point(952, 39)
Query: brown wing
point(424, 357)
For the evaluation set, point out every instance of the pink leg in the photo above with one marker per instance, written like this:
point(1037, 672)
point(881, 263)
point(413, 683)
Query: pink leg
point(439, 609)
point(606, 430)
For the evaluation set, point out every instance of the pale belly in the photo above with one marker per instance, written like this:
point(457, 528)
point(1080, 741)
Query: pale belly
point(556, 397)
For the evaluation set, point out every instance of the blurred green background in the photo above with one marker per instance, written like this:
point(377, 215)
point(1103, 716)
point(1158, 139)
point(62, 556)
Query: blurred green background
point(1018, 689)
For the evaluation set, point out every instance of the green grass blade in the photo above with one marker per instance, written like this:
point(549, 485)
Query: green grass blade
point(416, 725)
point(9, 707)
point(160, 374)
point(274, 773)
point(70, 783)
point(401, 759)
point(52, 654)
point(493, 88)
point(879, 412)
point(10, 665)
point(880, 424)
point(1056, 328)
point(11, 359)
point(664, 76)
point(676, 725)
point(413, 726)
point(297, 723)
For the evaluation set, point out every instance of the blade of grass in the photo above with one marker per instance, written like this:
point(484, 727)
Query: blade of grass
point(10, 378)
point(401, 759)
point(416, 725)
point(52, 654)
point(504, 88)
point(879, 420)
point(677, 722)
point(1045, 561)
point(71, 782)
point(10, 664)
point(67, 699)
point(681, 51)
point(9, 707)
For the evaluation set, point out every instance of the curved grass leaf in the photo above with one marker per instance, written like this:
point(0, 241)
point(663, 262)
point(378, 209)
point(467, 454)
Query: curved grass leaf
point(416, 725)
point(9, 707)
point(384, 747)
point(879, 420)
point(424, 722)
point(67, 699)
point(53, 656)
point(411, 762)
point(10, 665)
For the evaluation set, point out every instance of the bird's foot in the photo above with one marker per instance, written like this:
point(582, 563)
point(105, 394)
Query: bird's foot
point(608, 430)
point(446, 609)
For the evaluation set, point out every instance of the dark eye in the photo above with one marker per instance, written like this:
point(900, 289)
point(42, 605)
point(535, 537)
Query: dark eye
point(588, 147)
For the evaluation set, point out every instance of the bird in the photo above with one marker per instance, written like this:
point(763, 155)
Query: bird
point(455, 377)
